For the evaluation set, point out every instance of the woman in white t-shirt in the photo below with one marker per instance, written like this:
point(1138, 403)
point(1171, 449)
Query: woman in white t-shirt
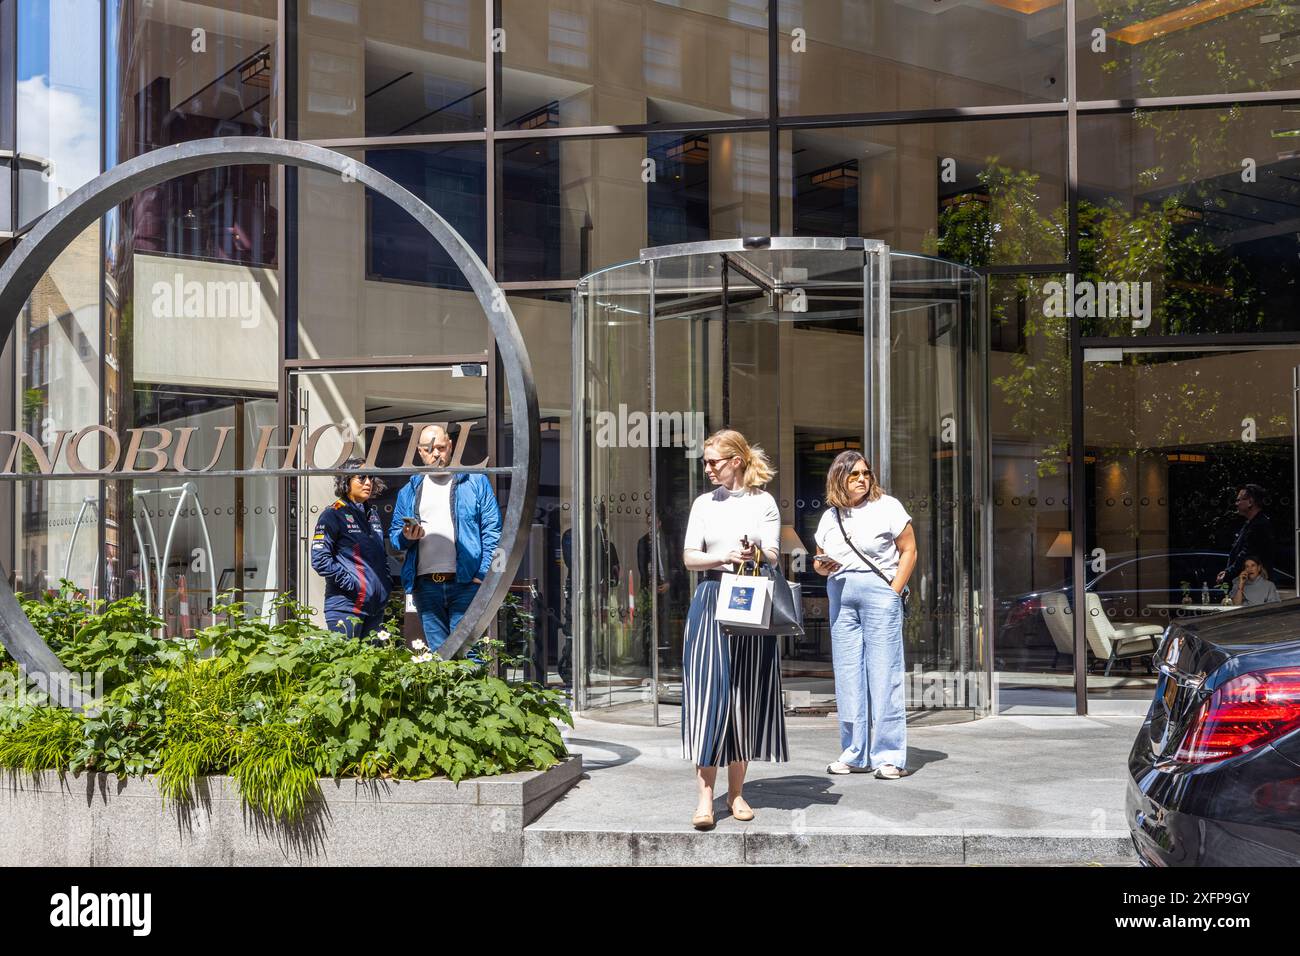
point(866, 546)
point(731, 683)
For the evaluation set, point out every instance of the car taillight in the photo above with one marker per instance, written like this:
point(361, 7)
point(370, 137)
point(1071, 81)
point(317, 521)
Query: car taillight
point(1246, 712)
point(1024, 610)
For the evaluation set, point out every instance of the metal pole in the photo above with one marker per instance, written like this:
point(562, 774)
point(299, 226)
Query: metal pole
point(578, 528)
point(726, 347)
point(1295, 466)
point(653, 506)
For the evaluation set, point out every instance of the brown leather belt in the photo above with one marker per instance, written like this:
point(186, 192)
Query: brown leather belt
point(441, 577)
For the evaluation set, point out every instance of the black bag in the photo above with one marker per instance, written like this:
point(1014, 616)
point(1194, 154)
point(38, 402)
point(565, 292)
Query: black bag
point(786, 619)
point(906, 593)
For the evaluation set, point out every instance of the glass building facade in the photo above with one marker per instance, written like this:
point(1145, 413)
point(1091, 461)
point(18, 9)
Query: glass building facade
point(1122, 178)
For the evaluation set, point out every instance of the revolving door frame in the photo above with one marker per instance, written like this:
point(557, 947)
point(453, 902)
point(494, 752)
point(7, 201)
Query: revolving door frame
point(875, 278)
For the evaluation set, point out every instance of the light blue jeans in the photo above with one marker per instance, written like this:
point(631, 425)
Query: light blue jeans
point(867, 648)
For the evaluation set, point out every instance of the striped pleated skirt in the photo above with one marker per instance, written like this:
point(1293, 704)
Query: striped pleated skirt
point(731, 690)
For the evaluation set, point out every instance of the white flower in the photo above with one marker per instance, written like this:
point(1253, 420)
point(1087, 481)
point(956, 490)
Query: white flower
point(422, 658)
point(383, 637)
point(419, 645)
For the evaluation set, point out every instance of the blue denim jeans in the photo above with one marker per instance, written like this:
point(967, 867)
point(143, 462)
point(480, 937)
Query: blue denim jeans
point(441, 606)
point(351, 624)
point(867, 648)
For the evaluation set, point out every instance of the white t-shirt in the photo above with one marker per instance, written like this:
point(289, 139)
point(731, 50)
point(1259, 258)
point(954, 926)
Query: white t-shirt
point(438, 546)
point(720, 518)
point(873, 526)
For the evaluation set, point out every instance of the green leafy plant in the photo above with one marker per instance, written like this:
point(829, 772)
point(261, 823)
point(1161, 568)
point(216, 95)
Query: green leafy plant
point(275, 703)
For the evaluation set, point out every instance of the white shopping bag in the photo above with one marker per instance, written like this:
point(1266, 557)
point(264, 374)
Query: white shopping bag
point(744, 599)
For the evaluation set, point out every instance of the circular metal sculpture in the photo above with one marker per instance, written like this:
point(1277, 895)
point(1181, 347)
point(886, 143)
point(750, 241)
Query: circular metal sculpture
point(39, 248)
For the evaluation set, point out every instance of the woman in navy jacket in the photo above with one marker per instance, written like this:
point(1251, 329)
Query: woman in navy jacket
point(348, 551)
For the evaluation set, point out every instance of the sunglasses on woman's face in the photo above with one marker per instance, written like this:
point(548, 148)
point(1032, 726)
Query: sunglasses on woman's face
point(860, 473)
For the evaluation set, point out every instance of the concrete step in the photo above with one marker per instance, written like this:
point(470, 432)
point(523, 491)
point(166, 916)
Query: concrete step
point(736, 844)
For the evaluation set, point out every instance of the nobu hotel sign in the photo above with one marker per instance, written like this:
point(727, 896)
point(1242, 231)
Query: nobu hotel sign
point(145, 451)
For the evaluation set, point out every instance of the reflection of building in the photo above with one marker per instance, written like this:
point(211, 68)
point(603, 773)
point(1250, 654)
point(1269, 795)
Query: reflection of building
point(587, 131)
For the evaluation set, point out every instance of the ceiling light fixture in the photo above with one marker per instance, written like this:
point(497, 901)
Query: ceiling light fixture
point(1026, 6)
point(1182, 19)
point(694, 151)
point(257, 70)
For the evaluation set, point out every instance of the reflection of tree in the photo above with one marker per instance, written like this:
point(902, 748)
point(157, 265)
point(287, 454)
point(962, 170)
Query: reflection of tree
point(1197, 60)
point(1162, 243)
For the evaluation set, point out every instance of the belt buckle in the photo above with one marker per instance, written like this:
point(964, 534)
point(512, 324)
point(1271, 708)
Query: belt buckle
point(440, 577)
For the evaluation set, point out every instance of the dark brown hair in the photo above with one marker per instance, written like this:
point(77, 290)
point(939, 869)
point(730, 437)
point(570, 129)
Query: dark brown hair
point(837, 480)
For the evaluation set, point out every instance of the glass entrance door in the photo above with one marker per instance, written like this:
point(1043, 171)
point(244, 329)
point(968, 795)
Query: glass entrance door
point(357, 399)
point(810, 347)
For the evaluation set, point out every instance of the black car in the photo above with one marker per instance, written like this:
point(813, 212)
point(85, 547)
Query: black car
point(1214, 775)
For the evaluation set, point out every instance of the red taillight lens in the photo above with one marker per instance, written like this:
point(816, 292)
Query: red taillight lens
point(1246, 712)
point(1024, 610)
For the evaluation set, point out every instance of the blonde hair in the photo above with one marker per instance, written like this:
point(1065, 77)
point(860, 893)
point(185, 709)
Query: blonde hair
point(837, 480)
point(731, 443)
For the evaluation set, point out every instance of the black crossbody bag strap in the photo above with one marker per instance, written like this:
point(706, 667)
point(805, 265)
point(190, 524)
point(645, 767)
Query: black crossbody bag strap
point(866, 560)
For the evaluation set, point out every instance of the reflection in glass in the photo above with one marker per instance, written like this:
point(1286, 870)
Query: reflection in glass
point(563, 202)
point(1029, 370)
point(592, 64)
point(893, 55)
point(980, 193)
point(57, 100)
point(452, 180)
point(371, 280)
point(1187, 223)
point(1146, 48)
point(400, 68)
point(56, 522)
point(1172, 439)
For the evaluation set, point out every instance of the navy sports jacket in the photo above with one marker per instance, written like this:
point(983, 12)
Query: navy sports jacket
point(347, 550)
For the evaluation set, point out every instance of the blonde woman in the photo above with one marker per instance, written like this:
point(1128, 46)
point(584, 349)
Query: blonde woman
point(731, 683)
point(869, 552)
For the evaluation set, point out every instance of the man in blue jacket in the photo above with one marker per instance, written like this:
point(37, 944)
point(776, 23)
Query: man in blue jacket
point(347, 550)
point(449, 526)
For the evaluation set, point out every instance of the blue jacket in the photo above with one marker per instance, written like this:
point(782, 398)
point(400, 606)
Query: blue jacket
point(347, 550)
point(477, 526)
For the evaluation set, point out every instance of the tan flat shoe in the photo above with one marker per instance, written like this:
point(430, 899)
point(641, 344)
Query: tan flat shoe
point(702, 821)
point(743, 814)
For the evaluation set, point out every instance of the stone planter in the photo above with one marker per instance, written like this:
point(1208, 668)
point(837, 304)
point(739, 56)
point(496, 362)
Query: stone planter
point(98, 820)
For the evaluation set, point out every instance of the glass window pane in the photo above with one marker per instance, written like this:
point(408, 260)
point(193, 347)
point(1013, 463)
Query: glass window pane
point(899, 54)
point(6, 197)
point(1180, 458)
point(177, 72)
point(1149, 48)
point(570, 206)
point(1029, 411)
point(399, 68)
point(980, 193)
point(57, 100)
point(1187, 223)
point(589, 63)
point(371, 280)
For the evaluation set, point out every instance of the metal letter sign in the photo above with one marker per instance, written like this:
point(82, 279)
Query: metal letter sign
point(37, 251)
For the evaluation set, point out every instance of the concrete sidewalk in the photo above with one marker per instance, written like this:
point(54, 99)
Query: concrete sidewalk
point(994, 791)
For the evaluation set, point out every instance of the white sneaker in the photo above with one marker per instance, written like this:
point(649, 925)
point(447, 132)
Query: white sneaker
point(838, 767)
point(887, 771)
